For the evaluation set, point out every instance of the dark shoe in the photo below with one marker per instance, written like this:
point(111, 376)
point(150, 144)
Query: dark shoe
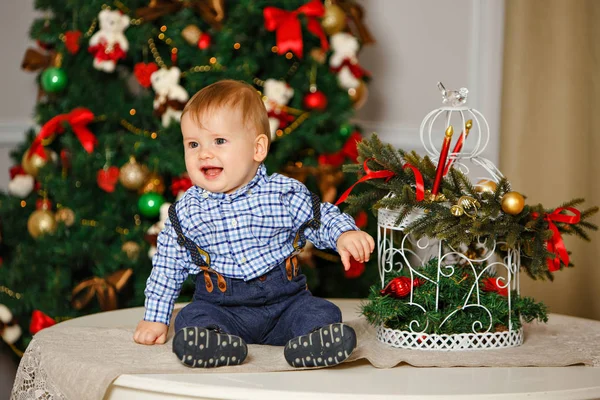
point(324, 347)
point(207, 348)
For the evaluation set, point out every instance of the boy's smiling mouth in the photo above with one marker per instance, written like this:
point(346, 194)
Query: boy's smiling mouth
point(211, 172)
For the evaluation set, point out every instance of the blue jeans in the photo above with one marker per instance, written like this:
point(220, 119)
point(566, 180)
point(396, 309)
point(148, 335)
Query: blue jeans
point(267, 310)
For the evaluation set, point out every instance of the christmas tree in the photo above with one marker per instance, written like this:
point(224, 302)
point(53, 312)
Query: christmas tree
point(89, 186)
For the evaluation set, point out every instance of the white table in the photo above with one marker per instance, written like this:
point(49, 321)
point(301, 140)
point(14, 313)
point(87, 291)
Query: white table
point(358, 380)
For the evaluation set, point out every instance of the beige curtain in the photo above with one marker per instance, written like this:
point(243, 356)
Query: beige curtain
point(550, 130)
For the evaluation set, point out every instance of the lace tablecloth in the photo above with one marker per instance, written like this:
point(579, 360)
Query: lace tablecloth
point(66, 362)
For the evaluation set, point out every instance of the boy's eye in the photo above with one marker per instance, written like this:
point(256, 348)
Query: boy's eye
point(220, 141)
point(192, 145)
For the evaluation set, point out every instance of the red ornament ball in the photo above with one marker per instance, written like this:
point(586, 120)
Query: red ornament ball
point(356, 269)
point(315, 101)
point(400, 287)
point(204, 41)
point(43, 204)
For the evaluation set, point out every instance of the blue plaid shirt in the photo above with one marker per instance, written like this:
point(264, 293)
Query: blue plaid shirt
point(246, 234)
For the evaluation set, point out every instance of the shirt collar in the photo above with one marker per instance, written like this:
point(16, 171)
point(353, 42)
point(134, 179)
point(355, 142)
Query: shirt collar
point(254, 184)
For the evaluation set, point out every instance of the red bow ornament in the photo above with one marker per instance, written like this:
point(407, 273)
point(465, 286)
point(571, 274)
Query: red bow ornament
point(556, 245)
point(287, 26)
point(39, 321)
point(79, 118)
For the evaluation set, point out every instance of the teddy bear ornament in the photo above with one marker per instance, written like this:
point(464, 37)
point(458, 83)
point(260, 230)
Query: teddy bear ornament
point(109, 44)
point(170, 97)
point(277, 96)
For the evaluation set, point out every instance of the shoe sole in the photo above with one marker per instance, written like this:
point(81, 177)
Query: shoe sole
point(325, 347)
point(204, 348)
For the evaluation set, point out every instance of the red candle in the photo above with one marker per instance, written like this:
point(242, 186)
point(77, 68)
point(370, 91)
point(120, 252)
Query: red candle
point(459, 144)
point(442, 161)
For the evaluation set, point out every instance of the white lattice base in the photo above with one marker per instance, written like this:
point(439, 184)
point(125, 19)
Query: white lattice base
point(460, 341)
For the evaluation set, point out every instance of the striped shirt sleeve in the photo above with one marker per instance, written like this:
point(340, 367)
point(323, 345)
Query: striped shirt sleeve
point(333, 221)
point(169, 271)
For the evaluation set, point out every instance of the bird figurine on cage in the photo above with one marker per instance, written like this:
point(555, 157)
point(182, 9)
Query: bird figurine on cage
point(455, 98)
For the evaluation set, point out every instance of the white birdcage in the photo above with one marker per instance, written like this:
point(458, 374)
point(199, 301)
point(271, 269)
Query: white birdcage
point(398, 252)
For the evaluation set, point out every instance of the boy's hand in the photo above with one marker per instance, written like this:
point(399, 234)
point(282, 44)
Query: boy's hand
point(150, 333)
point(357, 244)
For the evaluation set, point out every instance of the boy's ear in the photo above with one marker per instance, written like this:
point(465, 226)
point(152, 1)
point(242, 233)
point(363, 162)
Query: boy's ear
point(261, 147)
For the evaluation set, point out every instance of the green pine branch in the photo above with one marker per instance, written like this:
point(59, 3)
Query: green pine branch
point(456, 297)
point(529, 230)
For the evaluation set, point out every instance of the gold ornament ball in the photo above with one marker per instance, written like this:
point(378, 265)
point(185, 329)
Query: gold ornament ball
point(334, 19)
point(154, 183)
point(133, 175)
point(486, 186)
point(358, 95)
point(41, 222)
point(191, 34)
point(65, 215)
point(132, 249)
point(33, 164)
point(513, 203)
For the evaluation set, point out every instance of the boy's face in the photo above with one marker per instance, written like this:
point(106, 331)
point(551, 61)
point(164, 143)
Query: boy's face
point(221, 153)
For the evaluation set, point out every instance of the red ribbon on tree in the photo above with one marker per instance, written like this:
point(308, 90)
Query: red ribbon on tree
point(387, 174)
point(287, 26)
point(78, 119)
point(355, 69)
point(39, 321)
point(556, 244)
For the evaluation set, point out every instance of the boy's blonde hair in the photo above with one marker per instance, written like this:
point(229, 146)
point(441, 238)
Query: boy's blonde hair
point(230, 93)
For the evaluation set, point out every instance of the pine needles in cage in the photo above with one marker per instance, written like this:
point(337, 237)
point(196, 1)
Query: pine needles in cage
point(463, 305)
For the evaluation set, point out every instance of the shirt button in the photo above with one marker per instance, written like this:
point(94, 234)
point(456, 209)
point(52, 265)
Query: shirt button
point(234, 223)
point(205, 195)
point(249, 192)
point(244, 260)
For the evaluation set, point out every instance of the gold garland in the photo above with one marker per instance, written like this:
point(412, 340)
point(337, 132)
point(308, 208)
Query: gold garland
point(155, 53)
point(138, 131)
point(92, 28)
point(10, 293)
point(326, 256)
point(18, 352)
point(122, 231)
point(197, 68)
point(293, 126)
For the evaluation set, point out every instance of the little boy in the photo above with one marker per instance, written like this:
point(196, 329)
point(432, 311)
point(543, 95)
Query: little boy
point(239, 230)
